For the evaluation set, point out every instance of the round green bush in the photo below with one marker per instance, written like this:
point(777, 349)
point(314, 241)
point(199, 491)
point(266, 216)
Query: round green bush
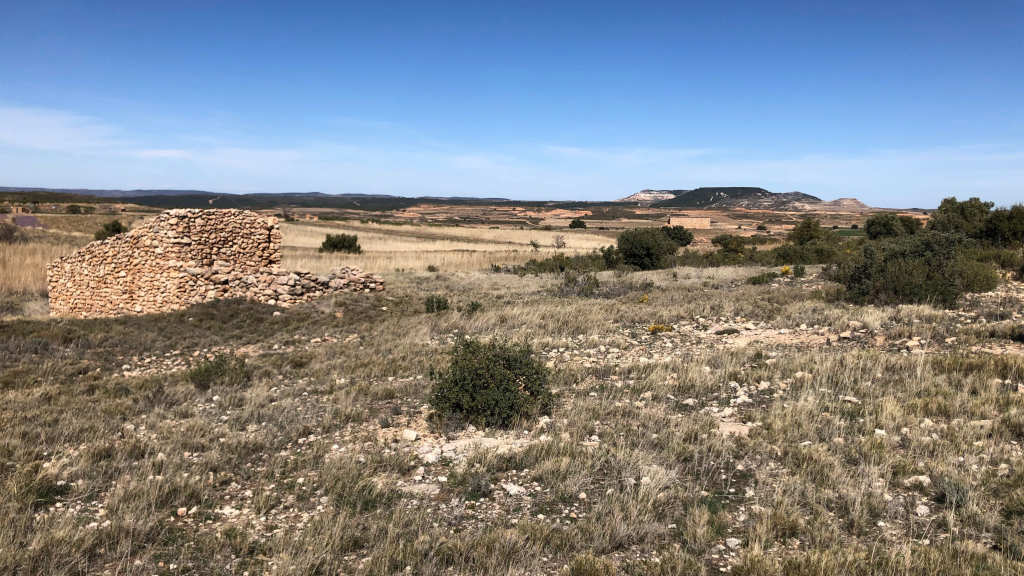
point(491, 384)
point(646, 248)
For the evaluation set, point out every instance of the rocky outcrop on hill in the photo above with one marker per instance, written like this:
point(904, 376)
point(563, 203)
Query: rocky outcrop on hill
point(186, 257)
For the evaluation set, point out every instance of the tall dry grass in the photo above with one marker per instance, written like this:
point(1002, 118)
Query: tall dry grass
point(23, 265)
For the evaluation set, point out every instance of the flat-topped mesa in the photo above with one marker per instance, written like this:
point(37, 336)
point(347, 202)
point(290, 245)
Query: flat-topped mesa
point(185, 257)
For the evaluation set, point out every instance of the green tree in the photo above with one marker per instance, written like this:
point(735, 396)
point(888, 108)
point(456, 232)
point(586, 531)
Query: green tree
point(1005, 226)
point(646, 248)
point(809, 230)
point(955, 217)
point(577, 223)
point(341, 243)
point(889, 225)
point(678, 234)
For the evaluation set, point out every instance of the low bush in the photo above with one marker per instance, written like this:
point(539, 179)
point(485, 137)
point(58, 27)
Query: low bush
point(348, 243)
point(492, 383)
point(10, 233)
point(763, 278)
point(435, 303)
point(222, 370)
point(646, 248)
point(926, 268)
point(576, 284)
point(577, 223)
point(799, 271)
point(112, 228)
point(658, 328)
point(473, 307)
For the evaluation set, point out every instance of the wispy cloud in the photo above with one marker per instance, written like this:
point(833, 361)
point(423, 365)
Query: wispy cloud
point(42, 147)
point(44, 129)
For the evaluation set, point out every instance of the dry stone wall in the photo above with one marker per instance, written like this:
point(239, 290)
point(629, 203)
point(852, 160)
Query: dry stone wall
point(185, 257)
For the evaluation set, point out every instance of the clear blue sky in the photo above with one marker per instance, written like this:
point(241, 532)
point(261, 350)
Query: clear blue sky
point(896, 103)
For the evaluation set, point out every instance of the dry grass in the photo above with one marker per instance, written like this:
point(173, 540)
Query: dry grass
point(302, 468)
point(415, 247)
point(113, 461)
point(23, 265)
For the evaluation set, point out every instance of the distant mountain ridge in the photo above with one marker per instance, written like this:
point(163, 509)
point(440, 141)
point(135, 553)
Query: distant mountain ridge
point(749, 197)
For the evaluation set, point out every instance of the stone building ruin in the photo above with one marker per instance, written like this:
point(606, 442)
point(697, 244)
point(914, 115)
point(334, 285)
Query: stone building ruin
point(186, 257)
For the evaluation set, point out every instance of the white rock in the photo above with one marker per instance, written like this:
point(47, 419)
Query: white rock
point(409, 435)
point(733, 543)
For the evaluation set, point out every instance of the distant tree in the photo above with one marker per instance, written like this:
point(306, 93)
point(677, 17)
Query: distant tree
point(348, 243)
point(577, 223)
point(112, 228)
point(762, 228)
point(809, 230)
point(889, 225)
point(1005, 226)
point(955, 217)
point(729, 244)
point(646, 248)
point(678, 234)
point(74, 209)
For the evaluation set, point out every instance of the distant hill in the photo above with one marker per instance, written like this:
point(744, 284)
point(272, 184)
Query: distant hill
point(724, 197)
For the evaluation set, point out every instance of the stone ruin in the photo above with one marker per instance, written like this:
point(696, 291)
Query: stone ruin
point(186, 257)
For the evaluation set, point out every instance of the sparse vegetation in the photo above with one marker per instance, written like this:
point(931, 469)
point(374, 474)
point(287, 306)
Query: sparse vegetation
point(221, 371)
point(491, 384)
point(698, 423)
point(435, 303)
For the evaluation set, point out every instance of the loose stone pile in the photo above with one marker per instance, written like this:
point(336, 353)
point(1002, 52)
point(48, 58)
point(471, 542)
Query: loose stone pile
point(186, 257)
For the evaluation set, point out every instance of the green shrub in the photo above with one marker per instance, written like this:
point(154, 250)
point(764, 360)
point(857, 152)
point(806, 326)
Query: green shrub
point(646, 248)
point(558, 263)
point(799, 271)
point(574, 284)
point(10, 233)
point(435, 303)
point(810, 230)
point(763, 278)
point(889, 225)
point(611, 257)
point(432, 268)
point(1005, 226)
point(473, 307)
point(678, 234)
point(348, 243)
point(955, 217)
point(926, 268)
point(729, 244)
point(577, 223)
point(112, 228)
point(762, 227)
point(491, 384)
point(222, 370)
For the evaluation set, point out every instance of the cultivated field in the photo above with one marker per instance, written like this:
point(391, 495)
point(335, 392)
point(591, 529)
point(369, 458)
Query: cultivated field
point(759, 430)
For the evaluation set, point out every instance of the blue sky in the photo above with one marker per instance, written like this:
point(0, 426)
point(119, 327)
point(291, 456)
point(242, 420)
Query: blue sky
point(896, 103)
